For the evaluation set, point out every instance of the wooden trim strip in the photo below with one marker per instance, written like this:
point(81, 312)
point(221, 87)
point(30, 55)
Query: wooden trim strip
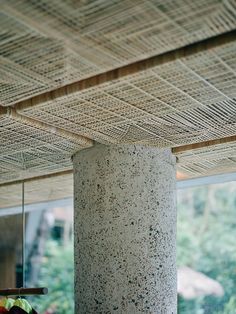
point(184, 148)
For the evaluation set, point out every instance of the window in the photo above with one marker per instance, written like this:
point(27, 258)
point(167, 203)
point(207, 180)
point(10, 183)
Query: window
point(207, 250)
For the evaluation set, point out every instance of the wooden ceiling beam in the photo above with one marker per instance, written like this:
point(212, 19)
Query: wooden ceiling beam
point(188, 147)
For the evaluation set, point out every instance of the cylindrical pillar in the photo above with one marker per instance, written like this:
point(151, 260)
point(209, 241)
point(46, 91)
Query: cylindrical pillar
point(125, 230)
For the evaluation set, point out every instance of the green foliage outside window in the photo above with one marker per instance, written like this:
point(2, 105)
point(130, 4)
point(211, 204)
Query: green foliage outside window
point(206, 242)
point(57, 273)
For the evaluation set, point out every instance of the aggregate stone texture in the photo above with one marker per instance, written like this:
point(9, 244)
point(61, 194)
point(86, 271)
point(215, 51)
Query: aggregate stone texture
point(125, 230)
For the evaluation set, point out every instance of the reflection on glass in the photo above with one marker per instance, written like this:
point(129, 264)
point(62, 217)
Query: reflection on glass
point(48, 248)
point(49, 257)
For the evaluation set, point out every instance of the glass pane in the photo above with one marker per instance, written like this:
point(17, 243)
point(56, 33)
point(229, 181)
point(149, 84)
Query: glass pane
point(207, 250)
point(49, 253)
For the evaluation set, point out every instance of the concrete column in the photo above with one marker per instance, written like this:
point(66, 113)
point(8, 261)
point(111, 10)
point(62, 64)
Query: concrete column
point(125, 230)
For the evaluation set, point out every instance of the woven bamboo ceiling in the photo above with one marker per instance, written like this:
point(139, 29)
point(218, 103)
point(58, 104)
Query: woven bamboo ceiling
point(152, 72)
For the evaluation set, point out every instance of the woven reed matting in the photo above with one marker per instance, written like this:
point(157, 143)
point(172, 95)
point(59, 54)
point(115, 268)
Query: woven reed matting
point(46, 44)
point(185, 101)
point(181, 102)
point(208, 160)
point(37, 191)
point(27, 151)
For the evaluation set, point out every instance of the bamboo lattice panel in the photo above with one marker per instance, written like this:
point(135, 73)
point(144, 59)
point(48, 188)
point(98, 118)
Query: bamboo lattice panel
point(28, 151)
point(185, 101)
point(46, 44)
point(208, 160)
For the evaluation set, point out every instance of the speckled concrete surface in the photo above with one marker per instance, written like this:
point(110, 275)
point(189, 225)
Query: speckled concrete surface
point(125, 230)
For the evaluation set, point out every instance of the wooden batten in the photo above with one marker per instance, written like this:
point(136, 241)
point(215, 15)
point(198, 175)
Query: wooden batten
point(204, 144)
